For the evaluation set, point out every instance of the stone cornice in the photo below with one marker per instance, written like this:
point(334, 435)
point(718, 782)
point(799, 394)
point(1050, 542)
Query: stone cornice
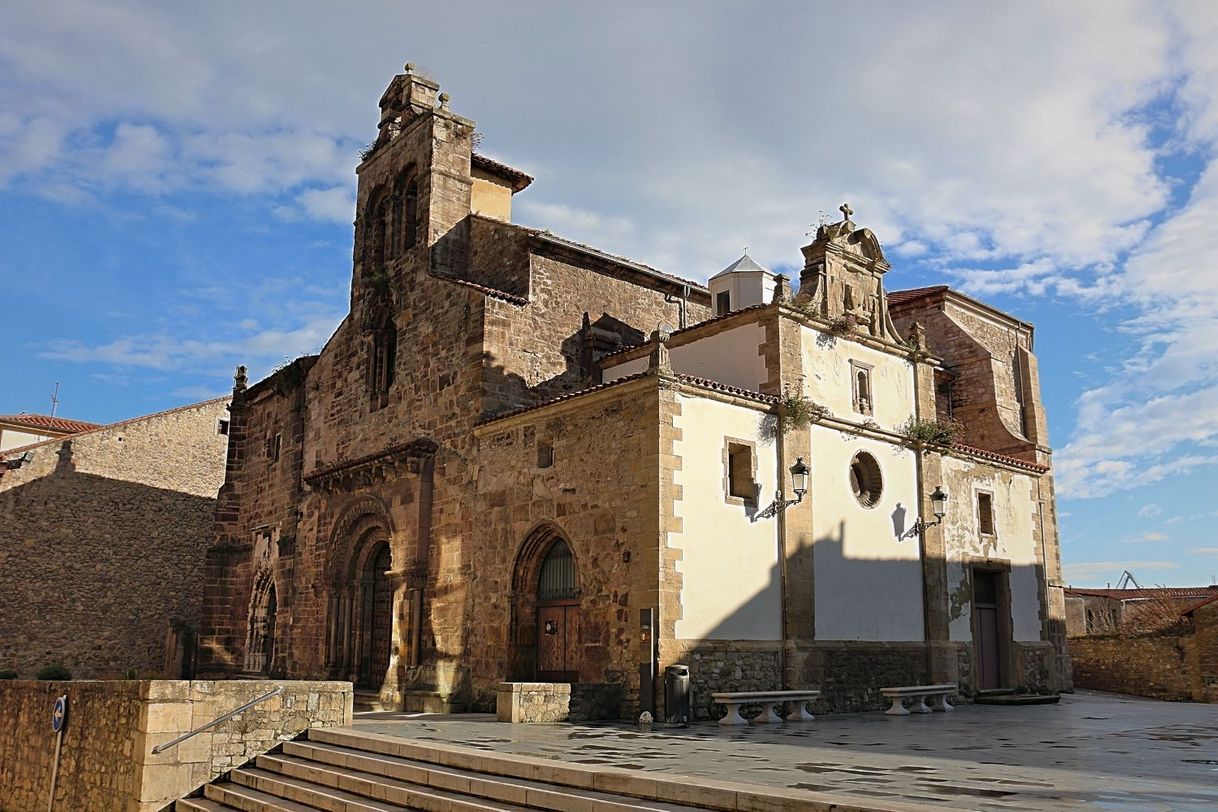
point(392, 461)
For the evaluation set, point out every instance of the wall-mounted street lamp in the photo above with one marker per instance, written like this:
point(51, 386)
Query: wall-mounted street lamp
point(799, 484)
point(938, 505)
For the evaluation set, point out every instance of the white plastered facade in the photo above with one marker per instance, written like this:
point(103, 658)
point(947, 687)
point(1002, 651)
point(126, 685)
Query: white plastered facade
point(729, 563)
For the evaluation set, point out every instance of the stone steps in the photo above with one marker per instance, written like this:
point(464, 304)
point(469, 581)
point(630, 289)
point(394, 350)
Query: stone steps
point(342, 770)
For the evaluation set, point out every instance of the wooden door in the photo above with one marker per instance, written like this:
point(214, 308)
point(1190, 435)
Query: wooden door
point(558, 642)
point(380, 621)
point(987, 645)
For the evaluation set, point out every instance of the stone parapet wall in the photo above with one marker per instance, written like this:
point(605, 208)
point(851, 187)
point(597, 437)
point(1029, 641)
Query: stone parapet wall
point(1159, 666)
point(107, 761)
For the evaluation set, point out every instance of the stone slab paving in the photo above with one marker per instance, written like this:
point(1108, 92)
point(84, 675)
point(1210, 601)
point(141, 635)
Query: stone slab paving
point(1091, 751)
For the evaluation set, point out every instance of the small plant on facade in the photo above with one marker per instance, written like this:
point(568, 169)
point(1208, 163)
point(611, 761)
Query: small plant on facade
point(870, 424)
point(795, 412)
point(9, 673)
point(366, 152)
point(131, 673)
point(55, 671)
point(931, 432)
point(843, 325)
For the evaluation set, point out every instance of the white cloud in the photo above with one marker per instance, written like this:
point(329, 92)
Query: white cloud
point(1147, 537)
point(1204, 551)
point(1150, 511)
point(337, 203)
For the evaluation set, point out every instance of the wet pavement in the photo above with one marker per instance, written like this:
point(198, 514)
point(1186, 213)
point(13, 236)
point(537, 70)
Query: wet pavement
point(1091, 751)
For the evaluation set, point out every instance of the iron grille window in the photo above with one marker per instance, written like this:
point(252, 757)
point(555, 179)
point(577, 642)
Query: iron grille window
point(557, 580)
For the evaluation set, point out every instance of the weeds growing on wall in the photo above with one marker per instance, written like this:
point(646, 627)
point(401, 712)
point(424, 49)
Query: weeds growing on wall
point(54, 672)
point(931, 432)
point(795, 412)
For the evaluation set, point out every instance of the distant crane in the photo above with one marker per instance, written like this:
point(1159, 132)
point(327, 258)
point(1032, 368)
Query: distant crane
point(1127, 579)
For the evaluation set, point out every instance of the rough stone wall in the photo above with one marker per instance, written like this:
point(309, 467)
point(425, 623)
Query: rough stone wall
point(107, 760)
point(1156, 666)
point(600, 495)
point(103, 542)
point(1205, 647)
point(537, 351)
point(721, 665)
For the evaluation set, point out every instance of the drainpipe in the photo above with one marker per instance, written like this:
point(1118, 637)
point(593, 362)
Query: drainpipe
point(781, 526)
point(920, 489)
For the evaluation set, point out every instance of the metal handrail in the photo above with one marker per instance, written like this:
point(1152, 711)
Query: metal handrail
point(160, 748)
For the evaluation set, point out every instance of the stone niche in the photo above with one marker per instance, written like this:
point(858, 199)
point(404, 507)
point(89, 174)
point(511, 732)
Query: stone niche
point(549, 702)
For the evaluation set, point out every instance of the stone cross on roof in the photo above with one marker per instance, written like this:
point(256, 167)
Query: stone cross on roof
point(845, 210)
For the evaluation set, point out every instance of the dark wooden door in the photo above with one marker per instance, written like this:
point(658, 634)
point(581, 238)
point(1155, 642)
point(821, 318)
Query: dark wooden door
point(381, 637)
point(558, 642)
point(987, 645)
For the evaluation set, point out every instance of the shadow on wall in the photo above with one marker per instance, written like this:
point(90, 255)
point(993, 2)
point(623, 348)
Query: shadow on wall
point(95, 570)
point(869, 634)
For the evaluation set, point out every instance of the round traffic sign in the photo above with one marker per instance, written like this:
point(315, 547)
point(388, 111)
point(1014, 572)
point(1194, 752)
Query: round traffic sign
point(60, 714)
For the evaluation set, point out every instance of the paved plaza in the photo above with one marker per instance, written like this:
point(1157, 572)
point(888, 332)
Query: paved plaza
point(1091, 751)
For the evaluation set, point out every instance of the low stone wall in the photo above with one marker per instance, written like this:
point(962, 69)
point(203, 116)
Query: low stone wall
point(107, 761)
point(1158, 666)
point(547, 702)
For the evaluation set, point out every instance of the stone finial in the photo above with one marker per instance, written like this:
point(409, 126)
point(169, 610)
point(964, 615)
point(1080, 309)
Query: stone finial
point(782, 288)
point(239, 379)
point(846, 211)
point(409, 67)
point(444, 97)
point(917, 337)
point(659, 362)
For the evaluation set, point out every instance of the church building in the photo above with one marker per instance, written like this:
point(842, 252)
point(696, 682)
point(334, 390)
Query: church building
point(521, 458)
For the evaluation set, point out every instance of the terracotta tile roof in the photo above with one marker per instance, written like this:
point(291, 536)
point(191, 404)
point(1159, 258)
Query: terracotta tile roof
point(519, 180)
point(1209, 593)
point(1206, 602)
point(707, 383)
point(684, 330)
point(493, 292)
point(996, 457)
point(900, 297)
point(59, 425)
point(491, 418)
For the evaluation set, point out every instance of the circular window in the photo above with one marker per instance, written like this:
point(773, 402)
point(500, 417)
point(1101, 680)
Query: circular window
point(865, 479)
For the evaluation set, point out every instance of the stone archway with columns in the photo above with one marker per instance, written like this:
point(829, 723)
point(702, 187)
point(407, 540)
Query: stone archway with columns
point(366, 594)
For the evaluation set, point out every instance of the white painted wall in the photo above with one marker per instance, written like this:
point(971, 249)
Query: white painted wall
point(731, 357)
point(15, 438)
point(868, 581)
point(729, 565)
point(1015, 512)
point(827, 378)
point(746, 288)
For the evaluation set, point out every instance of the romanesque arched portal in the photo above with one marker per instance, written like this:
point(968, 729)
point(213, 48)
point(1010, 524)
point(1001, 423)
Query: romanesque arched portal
point(547, 615)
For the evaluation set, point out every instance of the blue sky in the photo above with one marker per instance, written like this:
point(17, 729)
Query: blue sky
point(176, 191)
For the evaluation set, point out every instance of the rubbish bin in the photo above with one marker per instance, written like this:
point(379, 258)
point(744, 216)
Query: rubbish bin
point(676, 695)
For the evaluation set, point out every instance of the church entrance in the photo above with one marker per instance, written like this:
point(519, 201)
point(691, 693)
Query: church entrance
point(260, 634)
point(376, 617)
point(547, 617)
point(987, 628)
point(558, 615)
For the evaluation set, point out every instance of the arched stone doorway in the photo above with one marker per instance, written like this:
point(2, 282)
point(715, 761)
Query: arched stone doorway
point(360, 639)
point(546, 609)
point(260, 632)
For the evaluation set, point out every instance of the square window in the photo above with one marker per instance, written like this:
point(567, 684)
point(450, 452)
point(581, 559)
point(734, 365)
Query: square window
point(222, 426)
point(985, 513)
point(740, 472)
point(723, 303)
point(545, 454)
point(272, 447)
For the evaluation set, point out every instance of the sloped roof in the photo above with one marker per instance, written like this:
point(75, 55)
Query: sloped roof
point(45, 422)
point(1173, 592)
point(518, 179)
point(899, 297)
point(745, 263)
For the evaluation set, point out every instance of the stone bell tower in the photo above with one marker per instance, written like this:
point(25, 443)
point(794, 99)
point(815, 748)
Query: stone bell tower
point(843, 278)
point(414, 189)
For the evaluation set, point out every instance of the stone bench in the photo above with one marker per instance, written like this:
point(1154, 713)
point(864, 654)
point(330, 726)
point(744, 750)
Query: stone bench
point(917, 695)
point(767, 699)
